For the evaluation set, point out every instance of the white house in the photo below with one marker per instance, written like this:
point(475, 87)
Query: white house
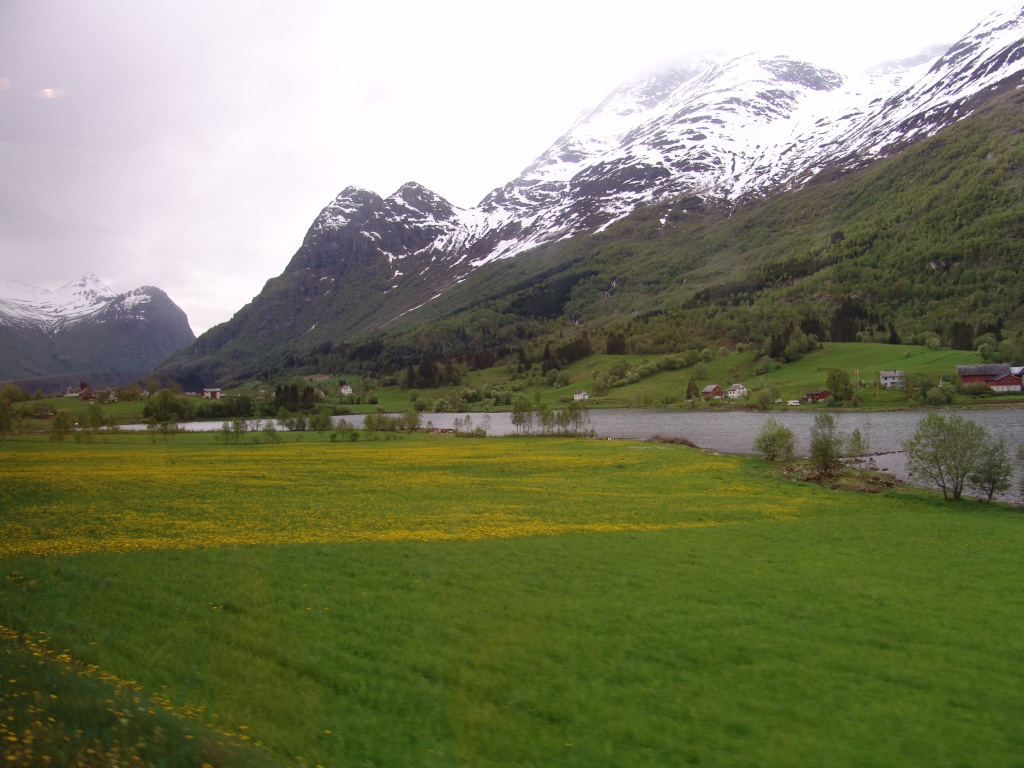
point(737, 390)
point(892, 379)
point(212, 393)
point(346, 389)
point(580, 394)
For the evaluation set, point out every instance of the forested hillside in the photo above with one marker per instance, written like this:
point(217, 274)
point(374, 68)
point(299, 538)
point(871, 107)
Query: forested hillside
point(928, 242)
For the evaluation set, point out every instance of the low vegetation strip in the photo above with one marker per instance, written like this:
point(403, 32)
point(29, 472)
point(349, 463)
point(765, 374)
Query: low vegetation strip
point(56, 710)
point(66, 500)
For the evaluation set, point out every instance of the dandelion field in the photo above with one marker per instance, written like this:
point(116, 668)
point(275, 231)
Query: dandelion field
point(437, 602)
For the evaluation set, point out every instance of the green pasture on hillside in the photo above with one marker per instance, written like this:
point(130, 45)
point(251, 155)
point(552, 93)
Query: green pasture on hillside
point(505, 602)
point(792, 380)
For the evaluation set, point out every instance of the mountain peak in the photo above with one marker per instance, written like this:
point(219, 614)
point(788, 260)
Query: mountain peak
point(418, 198)
point(86, 285)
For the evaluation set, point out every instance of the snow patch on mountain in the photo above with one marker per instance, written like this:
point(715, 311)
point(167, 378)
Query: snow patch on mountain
point(720, 130)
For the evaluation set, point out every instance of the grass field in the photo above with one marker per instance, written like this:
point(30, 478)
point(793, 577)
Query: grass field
point(503, 602)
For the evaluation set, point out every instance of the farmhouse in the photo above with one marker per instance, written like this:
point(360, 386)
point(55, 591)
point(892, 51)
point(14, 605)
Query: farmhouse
point(1007, 383)
point(580, 394)
point(212, 393)
point(346, 389)
point(711, 390)
point(817, 396)
point(998, 377)
point(737, 390)
point(892, 379)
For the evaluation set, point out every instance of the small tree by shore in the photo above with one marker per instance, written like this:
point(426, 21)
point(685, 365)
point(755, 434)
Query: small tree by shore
point(946, 451)
point(858, 447)
point(993, 472)
point(826, 444)
point(774, 440)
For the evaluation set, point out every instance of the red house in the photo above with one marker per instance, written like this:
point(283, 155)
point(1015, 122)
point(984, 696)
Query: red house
point(817, 396)
point(996, 376)
point(1007, 383)
point(711, 390)
point(212, 393)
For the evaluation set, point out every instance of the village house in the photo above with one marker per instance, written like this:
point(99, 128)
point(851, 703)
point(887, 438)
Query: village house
point(737, 390)
point(817, 396)
point(346, 390)
point(211, 393)
point(892, 379)
point(711, 390)
point(998, 377)
point(580, 394)
point(1006, 383)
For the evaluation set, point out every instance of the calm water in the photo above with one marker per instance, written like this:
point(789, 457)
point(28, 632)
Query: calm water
point(734, 431)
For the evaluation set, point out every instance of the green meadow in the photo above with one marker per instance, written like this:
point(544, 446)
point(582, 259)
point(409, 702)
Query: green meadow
point(436, 601)
point(668, 388)
point(792, 380)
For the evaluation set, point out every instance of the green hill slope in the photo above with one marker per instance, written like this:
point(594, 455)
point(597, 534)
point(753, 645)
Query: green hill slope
point(927, 243)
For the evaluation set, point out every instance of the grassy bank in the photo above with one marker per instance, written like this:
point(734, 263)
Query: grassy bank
point(437, 601)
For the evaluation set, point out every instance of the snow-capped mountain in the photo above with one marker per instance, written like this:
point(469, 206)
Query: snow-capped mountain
point(79, 301)
point(28, 305)
point(85, 327)
point(720, 130)
point(715, 133)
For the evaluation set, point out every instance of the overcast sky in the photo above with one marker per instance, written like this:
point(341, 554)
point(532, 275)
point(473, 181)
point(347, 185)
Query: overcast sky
point(189, 144)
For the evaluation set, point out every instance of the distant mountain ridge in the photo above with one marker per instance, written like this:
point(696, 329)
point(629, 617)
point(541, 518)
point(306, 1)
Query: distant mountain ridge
point(86, 329)
point(715, 134)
